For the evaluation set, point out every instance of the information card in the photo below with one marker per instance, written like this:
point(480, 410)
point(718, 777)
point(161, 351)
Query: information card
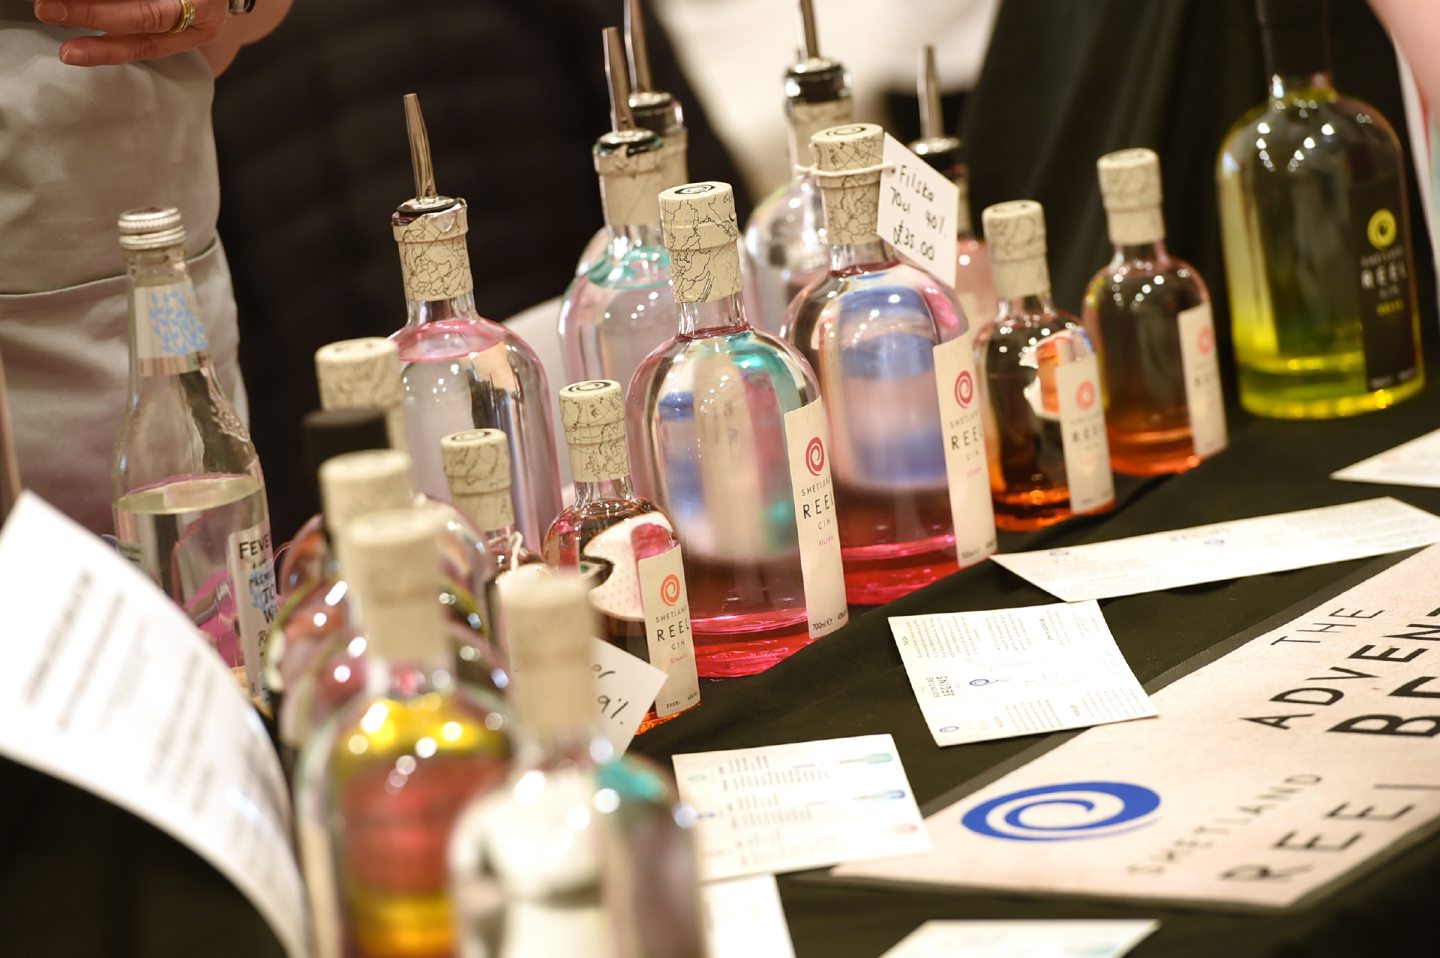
point(625, 688)
point(1271, 774)
point(108, 686)
point(1023, 939)
point(1226, 550)
point(988, 675)
point(918, 206)
point(744, 919)
point(784, 808)
point(1414, 463)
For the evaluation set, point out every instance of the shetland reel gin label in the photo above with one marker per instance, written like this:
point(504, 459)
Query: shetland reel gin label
point(1200, 365)
point(807, 438)
point(667, 630)
point(1082, 428)
point(963, 429)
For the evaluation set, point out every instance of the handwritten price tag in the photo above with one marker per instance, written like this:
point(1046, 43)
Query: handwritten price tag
point(625, 686)
point(917, 211)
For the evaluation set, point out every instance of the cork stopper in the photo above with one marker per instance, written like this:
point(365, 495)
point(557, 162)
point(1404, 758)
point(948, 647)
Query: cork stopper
point(549, 624)
point(477, 469)
point(430, 227)
point(593, 415)
point(358, 483)
point(631, 164)
point(1130, 188)
point(699, 228)
point(852, 202)
point(364, 373)
point(151, 227)
point(392, 562)
point(1015, 232)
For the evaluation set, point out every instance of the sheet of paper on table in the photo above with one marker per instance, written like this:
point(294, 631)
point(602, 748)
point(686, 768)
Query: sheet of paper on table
point(744, 919)
point(782, 808)
point(1299, 757)
point(1226, 550)
point(1007, 672)
point(1414, 463)
point(625, 688)
point(1023, 939)
point(108, 686)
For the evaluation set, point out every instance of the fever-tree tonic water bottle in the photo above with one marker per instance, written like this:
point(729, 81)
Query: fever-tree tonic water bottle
point(189, 496)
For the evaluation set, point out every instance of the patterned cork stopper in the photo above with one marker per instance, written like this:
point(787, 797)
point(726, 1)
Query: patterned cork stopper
point(1015, 232)
point(631, 164)
point(698, 224)
point(433, 257)
point(477, 461)
point(358, 483)
point(807, 119)
point(593, 414)
point(361, 374)
point(1130, 187)
point(852, 203)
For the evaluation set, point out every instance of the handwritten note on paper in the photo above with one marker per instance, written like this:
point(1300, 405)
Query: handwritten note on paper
point(784, 808)
point(918, 206)
point(1226, 550)
point(1023, 939)
point(1414, 463)
point(625, 687)
point(107, 686)
point(988, 675)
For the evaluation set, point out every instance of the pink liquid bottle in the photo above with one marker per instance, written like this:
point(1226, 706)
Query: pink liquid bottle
point(460, 370)
point(629, 543)
point(728, 435)
point(907, 456)
point(974, 282)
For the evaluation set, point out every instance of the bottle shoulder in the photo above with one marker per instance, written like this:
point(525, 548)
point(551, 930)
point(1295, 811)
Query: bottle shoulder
point(1295, 136)
point(890, 295)
point(1136, 285)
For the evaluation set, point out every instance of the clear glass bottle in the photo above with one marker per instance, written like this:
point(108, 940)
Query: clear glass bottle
point(870, 330)
point(1316, 230)
point(621, 308)
point(581, 852)
point(1040, 378)
point(188, 492)
point(381, 784)
point(974, 280)
point(460, 369)
point(638, 582)
point(721, 419)
point(657, 111)
point(785, 245)
point(1148, 315)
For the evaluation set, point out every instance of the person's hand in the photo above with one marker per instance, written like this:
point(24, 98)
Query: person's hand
point(131, 29)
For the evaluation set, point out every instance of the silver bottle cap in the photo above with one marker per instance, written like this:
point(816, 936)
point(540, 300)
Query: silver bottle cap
point(151, 227)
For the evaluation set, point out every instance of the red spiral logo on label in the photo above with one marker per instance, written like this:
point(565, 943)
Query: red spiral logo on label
point(1206, 340)
point(670, 589)
point(1085, 395)
point(815, 456)
point(964, 389)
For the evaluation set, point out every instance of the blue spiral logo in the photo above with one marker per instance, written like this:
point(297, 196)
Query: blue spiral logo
point(1064, 813)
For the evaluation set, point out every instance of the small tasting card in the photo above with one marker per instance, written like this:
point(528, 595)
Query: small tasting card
point(918, 206)
point(1023, 939)
point(988, 675)
point(1414, 463)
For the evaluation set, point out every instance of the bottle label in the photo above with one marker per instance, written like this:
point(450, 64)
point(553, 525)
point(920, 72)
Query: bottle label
point(1382, 239)
point(1200, 364)
point(807, 438)
point(1082, 429)
point(166, 321)
point(252, 576)
point(667, 630)
point(962, 424)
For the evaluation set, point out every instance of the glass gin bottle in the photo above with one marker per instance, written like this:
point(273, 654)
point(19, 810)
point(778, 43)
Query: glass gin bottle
point(729, 437)
point(785, 245)
point(1316, 231)
point(881, 334)
point(381, 785)
point(621, 308)
point(188, 492)
point(1040, 378)
point(628, 547)
point(974, 282)
point(460, 369)
point(580, 852)
point(1148, 315)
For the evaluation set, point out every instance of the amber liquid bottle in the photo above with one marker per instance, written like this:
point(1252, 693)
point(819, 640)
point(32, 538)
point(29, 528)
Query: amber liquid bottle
point(1044, 418)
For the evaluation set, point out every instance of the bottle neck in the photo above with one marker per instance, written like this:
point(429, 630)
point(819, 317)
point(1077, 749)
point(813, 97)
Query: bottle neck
point(627, 239)
point(492, 513)
point(603, 490)
point(870, 253)
point(1151, 252)
point(167, 336)
point(1297, 55)
point(418, 312)
point(719, 317)
point(1290, 86)
point(1031, 304)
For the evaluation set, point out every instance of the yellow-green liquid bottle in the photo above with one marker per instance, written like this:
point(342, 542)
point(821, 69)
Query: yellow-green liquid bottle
point(1316, 233)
